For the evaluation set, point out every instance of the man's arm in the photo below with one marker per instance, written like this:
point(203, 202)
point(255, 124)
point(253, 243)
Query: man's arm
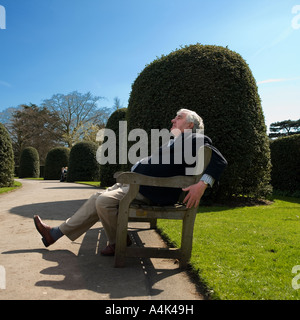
point(197, 190)
point(195, 193)
point(213, 172)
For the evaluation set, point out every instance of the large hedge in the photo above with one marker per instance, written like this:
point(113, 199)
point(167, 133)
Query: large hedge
point(285, 155)
point(6, 159)
point(218, 84)
point(107, 170)
point(29, 163)
point(83, 165)
point(55, 160)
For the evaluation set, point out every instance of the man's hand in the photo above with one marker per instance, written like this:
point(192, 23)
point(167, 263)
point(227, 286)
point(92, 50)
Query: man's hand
point(195, 193)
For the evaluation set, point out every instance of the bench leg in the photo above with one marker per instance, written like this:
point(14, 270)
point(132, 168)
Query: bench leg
point(153, 223)
point(122, 225)
point(187, 237)
point(120, 250)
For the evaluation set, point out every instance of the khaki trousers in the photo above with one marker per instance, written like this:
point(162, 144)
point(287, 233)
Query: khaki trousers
point(102, 205)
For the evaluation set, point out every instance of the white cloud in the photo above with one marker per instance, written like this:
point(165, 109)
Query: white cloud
point(282, 36)
point(277, 80)
point(5, 84)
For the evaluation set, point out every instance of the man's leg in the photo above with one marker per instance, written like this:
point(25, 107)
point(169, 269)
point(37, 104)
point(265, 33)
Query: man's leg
point(83, 219)
point(100, 205)
point(107, 205)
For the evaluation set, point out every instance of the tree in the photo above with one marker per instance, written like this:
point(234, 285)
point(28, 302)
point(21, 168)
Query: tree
point(218, 84)
point(77, 113)
point(6, 159)
point(6, 116)
point(117, 104)
point(32, 126)
point(284, 128)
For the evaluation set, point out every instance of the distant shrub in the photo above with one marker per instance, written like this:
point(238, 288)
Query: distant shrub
point(6, 159)
point(107, 170)
point(83, 165)
point(55, 160)
point(42, 171)
point(285, 156)
point(29, 163)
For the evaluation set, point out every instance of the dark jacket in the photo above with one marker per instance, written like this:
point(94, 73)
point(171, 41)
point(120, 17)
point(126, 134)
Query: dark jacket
point(156, 165)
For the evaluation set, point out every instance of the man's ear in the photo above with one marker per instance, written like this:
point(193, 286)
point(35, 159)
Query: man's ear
point(191, 125)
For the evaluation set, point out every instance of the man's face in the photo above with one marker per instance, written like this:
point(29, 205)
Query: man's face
point(179, 123)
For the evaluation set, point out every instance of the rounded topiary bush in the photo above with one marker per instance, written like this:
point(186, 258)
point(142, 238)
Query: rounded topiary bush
point(6, 159)
point(83, 165)
point(107, 170)
point(285, 155)
point(55, 160)
point(218, 84)
point(29, 163)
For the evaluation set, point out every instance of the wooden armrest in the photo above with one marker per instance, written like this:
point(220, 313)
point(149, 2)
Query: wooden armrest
point(116, 174)
point(140, 179)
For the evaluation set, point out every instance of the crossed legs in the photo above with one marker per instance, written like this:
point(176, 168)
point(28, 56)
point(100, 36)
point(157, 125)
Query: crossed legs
point(102, 205)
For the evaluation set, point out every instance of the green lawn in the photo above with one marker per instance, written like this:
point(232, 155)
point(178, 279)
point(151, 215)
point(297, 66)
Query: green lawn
point(245, 253)
point(90, 183)
point(16, 185)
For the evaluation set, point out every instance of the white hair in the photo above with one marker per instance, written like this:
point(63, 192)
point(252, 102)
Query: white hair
point(192, 116)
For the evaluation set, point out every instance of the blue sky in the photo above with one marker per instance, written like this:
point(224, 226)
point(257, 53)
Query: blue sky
point(59, 46)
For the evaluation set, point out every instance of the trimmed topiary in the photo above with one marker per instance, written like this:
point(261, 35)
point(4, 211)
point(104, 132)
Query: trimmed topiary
point(6, 159)
point(285, 155)
point(29, 163)
point(218, 84)
point(55, 160)
point(107, 170)
point(83, 165)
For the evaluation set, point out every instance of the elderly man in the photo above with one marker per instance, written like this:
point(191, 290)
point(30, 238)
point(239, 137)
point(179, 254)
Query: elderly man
point(104, 205)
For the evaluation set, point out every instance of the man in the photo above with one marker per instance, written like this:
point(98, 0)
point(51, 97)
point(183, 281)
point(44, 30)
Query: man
point(104, 205)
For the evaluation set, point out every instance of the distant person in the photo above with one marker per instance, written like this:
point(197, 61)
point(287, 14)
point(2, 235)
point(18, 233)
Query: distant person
point(63, 175)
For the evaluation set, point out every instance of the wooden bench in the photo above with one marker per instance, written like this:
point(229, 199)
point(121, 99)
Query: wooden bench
point(130, 209)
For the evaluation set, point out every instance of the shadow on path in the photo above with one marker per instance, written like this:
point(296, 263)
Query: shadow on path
point(90, 271)
point(56, 210)
point(83, 269)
